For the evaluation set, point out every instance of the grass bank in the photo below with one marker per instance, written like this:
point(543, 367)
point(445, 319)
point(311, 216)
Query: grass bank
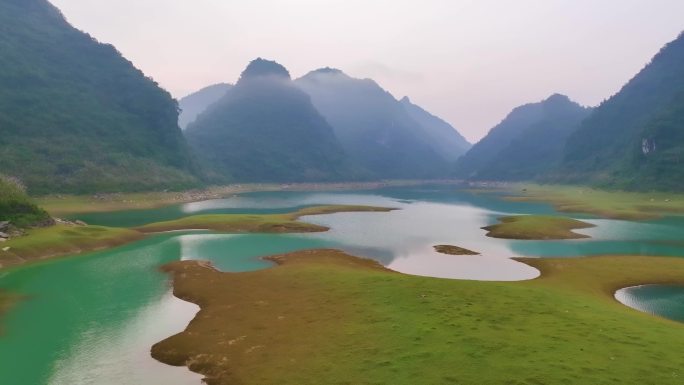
point(60, 240)
point(264, 223)
point(536, 227)
point(606, 204)
point(326, 317)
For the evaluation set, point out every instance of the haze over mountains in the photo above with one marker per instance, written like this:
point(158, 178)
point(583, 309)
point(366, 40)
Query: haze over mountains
point(75, 116)
point(266, 129)
point(526, 144)
point(381, 137)
point(194, 104)
point(374, 128)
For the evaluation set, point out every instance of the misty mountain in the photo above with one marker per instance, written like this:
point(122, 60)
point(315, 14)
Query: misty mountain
point(266, 129)
point(443, 137)
point(75, 116)
point(373, 127)
point(526, 144)
point(195, 103)
point(635, 139)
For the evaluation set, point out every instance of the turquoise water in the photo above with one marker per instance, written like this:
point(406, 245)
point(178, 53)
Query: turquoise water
point(663, 300)
point(92, 319)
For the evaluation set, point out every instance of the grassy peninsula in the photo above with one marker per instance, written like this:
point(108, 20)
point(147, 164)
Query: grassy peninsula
point(537, 227)
point(326, 317)
point(264, 223)
point(60, 240)
point(602, 203)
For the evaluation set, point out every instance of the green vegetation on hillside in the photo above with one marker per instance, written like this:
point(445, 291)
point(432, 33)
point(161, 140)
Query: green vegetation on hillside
point(375, 129)
point(539, 227)
point(194, 104)
point(78, 117)
point(635, 140)
point(325, 317)
point(440, 135)
point(265, 129)
point(16, 207)
point(526, 144)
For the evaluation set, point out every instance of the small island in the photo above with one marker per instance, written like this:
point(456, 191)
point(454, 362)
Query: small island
point(454, 250)
point(537, 227)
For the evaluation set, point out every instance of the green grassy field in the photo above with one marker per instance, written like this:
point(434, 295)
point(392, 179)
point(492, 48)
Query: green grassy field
point(60, 240)
point(539, 227)
point(323, 317)
point(264, 223)
point(607, 204)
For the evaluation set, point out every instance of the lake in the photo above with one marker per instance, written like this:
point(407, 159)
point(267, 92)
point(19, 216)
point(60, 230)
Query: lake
point(91, 319)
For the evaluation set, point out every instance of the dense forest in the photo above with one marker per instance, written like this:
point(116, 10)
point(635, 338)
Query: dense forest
point(635, 139)
point(76, 116)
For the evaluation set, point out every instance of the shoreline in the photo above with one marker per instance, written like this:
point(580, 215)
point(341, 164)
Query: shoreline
point(66, 204)
point(64, 241)
point(337, 292)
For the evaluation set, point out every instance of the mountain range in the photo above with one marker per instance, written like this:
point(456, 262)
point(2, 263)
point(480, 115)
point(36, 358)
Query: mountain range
point(77, 117)
point(265, 129)
point(375, 129)
point(381, 136)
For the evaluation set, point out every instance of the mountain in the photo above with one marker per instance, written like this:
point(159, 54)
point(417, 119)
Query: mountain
point(195, 103)
point(526, 144)
point(373, 127)
point(635, 139)
point(443, 138)
point(265, 129)
point(75, 116)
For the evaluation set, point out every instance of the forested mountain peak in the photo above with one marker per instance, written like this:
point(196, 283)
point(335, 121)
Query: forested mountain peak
point(264, 68)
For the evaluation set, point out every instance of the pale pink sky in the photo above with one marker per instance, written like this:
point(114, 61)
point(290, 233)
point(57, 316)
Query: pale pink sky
point(468, 61)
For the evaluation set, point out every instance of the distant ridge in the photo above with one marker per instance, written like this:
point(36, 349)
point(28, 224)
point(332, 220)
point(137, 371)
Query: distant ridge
point(526, 144)
point(373, 127)
point(443, 137)
point(195, 103)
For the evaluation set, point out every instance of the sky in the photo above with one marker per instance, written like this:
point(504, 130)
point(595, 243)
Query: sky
point(468, 61)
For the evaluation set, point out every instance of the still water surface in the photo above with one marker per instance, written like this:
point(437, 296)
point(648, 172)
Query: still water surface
point(92, 319)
